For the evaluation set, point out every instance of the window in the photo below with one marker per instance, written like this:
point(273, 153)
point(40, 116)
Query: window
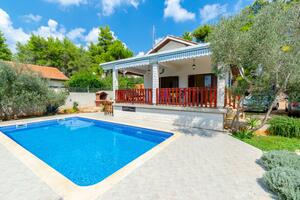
point(207, 81)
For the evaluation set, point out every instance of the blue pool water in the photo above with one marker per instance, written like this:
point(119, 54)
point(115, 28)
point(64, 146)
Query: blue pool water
point(83, 150)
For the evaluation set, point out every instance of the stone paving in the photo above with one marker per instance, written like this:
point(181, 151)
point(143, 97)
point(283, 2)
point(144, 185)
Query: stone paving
point(200, 164)
point(17, 182)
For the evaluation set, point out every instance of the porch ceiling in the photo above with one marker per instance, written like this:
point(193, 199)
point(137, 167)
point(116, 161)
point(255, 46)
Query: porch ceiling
point(177, 55)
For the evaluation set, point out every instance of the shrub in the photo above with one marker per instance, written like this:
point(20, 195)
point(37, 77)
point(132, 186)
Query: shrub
point(243, 134)
point(285, 126)
point(75, 106)
point(285, 182)
point(274, 159)
point(55, 99)
point(252, 123)
point(84, 79)
point(23, 93)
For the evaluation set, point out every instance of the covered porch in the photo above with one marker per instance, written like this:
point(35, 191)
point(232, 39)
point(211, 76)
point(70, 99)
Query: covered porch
point(180, 77)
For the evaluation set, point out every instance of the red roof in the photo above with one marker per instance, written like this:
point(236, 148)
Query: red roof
point(46, 72)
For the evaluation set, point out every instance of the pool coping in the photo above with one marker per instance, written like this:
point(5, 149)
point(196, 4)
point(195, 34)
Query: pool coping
point(65, 187)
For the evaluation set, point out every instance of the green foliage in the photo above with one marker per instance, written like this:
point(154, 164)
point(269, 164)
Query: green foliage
point(129, 82)
point(273, 159)
point(55, 100)
point(187, 36)
point(5, 53)
point(202, 32)
point(285, 126)
point(268, 143)
point(69, 58)
point(108, 48)
point(253, 123)
point(63, 54)
point(85, 79)
point(243, 134)
point(75, 106)
point(283, 175)
point(285, 182)
point(105, 38)
point(23, 93)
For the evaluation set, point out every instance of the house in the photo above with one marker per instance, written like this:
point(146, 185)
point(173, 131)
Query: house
point(54, 77)
point(179, 85)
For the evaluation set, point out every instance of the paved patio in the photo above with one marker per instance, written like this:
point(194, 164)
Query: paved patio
point(200, 164)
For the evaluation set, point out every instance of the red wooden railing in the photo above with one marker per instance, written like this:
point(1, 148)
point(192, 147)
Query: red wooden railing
point(143, 96)
point(230, 99)
point(190, 97)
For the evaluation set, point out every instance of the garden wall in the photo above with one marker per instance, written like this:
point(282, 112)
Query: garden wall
point(84, 99)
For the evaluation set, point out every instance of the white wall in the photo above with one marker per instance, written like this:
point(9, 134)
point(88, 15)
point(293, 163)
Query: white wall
point(83, 99)
point(182, 69)
point(206, 120)
point(171, 45)
point(56, 83)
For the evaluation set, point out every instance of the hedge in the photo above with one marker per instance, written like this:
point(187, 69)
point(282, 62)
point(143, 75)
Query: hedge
point(285, 126)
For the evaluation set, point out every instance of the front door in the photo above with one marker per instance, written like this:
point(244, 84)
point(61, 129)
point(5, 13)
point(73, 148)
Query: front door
point(202, 80)
point(203, 83)
point(169, 82)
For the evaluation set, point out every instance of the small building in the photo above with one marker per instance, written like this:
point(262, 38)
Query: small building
point(180, 86)
point(54, 77)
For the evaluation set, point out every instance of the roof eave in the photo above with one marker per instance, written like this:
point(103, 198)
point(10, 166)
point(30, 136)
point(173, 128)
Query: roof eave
point(110, 65)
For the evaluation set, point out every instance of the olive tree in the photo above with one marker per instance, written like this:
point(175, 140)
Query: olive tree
point(263, 47)
point(23, 93)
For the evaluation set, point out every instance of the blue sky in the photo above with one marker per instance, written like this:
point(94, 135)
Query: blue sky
point(131, 21)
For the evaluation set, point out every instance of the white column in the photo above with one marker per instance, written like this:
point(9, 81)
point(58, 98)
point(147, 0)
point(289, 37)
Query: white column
point(115, 81)
point(155, 81)
point(221, 91)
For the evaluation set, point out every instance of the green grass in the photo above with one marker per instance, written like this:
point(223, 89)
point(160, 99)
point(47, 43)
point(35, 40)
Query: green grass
point(268, 143)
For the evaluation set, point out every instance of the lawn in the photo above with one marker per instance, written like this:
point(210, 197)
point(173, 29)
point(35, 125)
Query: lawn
point(268, 143)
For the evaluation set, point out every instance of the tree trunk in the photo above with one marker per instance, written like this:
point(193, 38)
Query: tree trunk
point(236, 119)
point(263, 122)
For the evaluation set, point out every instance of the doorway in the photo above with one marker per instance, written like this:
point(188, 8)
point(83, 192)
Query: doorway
point(169, 82)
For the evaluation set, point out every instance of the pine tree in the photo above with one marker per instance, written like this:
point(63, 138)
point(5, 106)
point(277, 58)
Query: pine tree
point(5, 53)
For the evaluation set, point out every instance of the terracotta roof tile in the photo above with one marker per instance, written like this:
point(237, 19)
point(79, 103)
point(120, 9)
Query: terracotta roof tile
point(46, 72)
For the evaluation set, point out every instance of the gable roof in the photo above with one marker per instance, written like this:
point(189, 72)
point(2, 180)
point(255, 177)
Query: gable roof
point(45, 71)
point(169, 38)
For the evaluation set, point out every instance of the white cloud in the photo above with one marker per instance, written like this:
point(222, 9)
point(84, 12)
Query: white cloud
point(13, 35)
point(212, 11)
point(141, 53)
point(174, 10)
point(109, 6)
point(51, 30)
point(68, 2)
point(238, 5)
point(76, 33)
point(92, 36)
point(31, 18)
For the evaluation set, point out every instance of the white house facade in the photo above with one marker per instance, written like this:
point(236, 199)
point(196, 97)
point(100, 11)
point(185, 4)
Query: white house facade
point(179, 85)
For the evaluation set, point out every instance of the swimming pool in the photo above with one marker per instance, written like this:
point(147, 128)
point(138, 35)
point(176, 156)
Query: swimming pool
point(84, 150)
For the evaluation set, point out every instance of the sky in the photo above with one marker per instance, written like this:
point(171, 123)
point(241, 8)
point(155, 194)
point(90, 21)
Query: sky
point(131, 21)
